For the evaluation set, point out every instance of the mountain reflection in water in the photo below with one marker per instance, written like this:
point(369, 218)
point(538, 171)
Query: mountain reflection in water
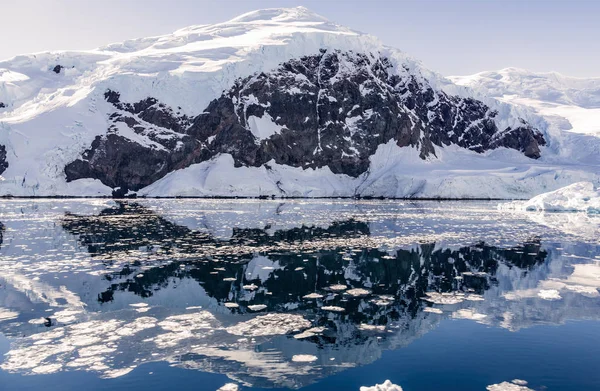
point(249, 305)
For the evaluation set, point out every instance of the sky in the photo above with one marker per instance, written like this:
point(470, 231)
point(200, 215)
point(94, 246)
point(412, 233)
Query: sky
point(451, 37)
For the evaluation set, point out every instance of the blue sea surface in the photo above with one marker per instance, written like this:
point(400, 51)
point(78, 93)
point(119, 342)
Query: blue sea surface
point(296, 294)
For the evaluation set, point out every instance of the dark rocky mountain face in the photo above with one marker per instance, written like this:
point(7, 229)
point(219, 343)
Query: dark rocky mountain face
point(3, 162)
point(331, 110)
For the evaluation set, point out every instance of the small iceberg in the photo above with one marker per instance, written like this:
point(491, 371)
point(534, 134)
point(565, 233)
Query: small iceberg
point(386, 386)
point(578, 197)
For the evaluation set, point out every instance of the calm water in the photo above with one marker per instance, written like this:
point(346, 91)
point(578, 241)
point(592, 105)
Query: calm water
point(317, 295)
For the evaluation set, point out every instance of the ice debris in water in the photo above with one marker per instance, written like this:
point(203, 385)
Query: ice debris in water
point(515, 385)
point(229, 387)
point(370, 327)
point(357, 292)
point(333, 308)
point(7, 314)
point(304, 358)
point(386, 386)
point(310, 333)
point(549, 294)
point(270, 324)
point(257, 307)
point(578, 197)
point(444, 298)
point(313, 296)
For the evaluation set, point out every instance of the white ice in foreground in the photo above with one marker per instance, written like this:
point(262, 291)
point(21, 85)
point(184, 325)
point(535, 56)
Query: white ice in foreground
point(515, 385)
point(578, 197)
point(386, 386)
point(229, 387)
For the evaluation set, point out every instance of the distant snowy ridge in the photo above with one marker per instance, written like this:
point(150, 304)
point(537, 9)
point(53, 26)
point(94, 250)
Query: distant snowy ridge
point(276, 102)
point(571, 103)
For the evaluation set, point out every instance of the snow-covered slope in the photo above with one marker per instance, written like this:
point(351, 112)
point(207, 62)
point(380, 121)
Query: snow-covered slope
point(571, 103)
point(274, 102)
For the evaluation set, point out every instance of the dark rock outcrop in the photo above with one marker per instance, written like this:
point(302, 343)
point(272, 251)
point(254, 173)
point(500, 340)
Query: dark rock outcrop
point(331, 110)
point(3, 162)
point(2, 105)
point(57, 69)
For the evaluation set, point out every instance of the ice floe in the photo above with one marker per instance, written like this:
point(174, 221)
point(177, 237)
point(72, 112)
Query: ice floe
point(304, 358)
point(270, 324)
point(229, 387)
point(7, 314)
point(578, 197)
point(386, 386)
point(515, 385)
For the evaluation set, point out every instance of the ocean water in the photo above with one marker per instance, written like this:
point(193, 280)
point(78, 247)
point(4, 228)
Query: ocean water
point(192, 294)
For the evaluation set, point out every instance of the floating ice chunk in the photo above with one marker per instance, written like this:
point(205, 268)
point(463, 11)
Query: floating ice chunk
point(313, 296)
point(115, 373)
point(333, 308)
point(257, 307)
point(357, 292)
point(229, 387)
point(7, 314)
point(386, 386)
point(338, 287)
point(578, 197)
point(444, 298)
point(515, 385)
point(304, 358)
point(47, 369)
point(381, 302)
point(370, 327)
point(310, 333)
point(474, 297)
point(231, 305)
point(549, 294)
point(270, 324)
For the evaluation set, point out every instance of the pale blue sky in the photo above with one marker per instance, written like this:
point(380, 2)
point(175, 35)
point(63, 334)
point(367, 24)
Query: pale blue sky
point(451, 37)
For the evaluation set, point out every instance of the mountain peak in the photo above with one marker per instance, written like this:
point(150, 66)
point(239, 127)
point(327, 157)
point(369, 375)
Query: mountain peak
point(280, 15)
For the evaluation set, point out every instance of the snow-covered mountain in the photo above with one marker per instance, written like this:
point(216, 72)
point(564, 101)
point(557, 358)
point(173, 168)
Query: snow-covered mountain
point(572, 104)
point(274, 102)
